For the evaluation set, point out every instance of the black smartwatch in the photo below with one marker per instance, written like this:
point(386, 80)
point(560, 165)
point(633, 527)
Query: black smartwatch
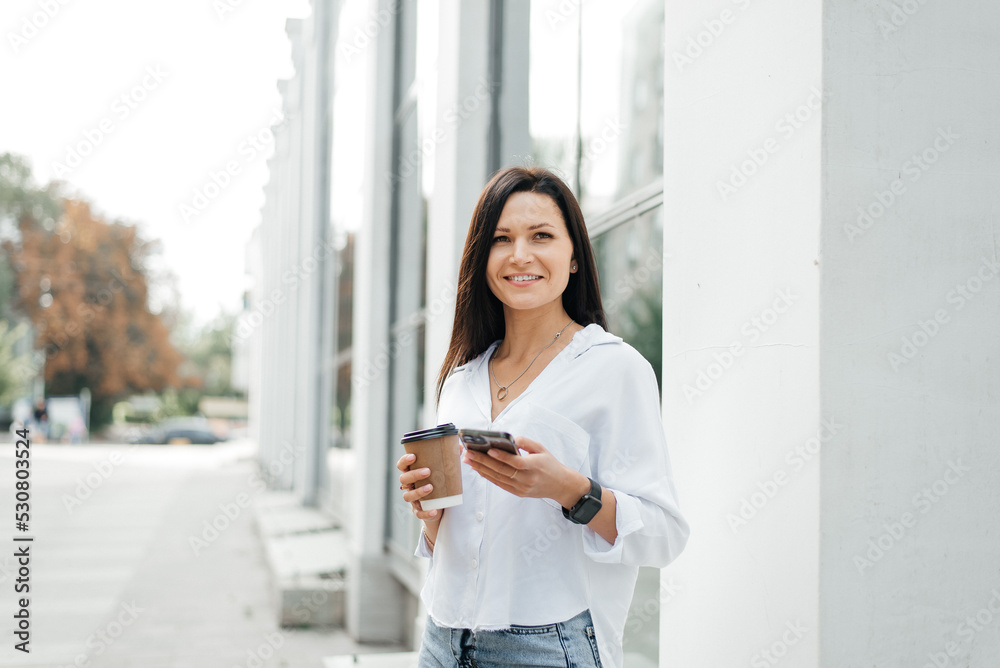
point(587, 506)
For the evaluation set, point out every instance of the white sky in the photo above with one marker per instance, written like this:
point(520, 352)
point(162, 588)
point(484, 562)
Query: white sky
point(219, 86)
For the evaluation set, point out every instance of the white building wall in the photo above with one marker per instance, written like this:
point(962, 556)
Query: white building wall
point(741, 369)
point(911, 335)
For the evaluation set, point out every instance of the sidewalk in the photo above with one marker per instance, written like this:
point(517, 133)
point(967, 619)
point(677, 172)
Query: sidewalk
point(116, 579)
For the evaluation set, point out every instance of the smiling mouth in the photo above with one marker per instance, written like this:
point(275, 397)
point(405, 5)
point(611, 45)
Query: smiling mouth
point(526, 278)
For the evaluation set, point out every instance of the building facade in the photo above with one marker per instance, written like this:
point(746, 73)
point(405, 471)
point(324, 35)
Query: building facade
point(739, 164)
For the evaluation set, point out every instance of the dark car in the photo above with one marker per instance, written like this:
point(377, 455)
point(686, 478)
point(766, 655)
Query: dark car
point(180, 430)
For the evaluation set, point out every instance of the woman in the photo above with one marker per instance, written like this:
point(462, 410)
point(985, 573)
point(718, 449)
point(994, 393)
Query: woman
point(537, 566)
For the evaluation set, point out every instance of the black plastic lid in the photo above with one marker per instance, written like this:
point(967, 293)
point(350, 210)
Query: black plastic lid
point(433, 432)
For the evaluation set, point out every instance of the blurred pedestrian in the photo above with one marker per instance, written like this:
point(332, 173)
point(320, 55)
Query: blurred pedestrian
point(538, 564)
point(41, 420)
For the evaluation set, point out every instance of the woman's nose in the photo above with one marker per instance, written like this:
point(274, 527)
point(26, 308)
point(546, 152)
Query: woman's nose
point(521, 252)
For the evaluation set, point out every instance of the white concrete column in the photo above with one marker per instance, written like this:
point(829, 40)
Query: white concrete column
point(740, 318)
point(374, 600)
point(910, 356)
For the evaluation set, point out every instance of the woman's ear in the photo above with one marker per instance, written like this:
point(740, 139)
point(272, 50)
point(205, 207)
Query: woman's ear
point(572, 266)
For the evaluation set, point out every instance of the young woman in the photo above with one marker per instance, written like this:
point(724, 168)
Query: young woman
point(537, 566)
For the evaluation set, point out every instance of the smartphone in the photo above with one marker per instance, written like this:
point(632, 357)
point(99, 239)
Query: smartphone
point(481, 441)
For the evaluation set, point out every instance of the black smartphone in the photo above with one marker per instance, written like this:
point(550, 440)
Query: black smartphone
point(481, 441)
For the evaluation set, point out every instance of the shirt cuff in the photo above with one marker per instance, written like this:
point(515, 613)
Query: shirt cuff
point(627, 521)
point(423, 548)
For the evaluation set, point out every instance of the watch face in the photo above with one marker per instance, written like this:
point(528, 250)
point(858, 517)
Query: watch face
point(586, 510)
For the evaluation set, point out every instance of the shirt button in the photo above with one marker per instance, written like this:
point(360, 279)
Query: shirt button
point(475, 564)
point(480, 516)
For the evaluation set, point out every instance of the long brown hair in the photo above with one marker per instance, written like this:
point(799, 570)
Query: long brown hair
point(479, 317)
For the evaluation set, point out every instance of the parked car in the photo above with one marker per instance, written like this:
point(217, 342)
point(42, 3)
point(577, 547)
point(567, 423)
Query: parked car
point(180, 430)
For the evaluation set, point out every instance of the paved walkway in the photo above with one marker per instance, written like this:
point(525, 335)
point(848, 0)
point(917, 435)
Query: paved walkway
point(115, 581)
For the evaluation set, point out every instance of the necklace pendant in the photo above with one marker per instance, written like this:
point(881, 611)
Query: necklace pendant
point(502, 393)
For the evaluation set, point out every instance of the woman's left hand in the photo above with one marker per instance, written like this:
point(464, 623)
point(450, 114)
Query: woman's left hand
point(536, 474)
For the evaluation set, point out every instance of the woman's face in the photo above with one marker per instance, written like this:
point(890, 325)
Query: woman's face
point(531, 255)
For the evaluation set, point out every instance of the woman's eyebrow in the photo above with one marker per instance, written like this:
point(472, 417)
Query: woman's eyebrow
point(530, 229)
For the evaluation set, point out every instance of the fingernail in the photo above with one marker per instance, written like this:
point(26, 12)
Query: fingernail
point(426, 488)
point(425, 471)
point(432, 512)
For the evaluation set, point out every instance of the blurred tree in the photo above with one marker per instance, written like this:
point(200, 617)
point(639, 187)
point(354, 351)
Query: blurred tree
point(209, 351)
point(12, 364)
point(83, 284)
point(20, 200)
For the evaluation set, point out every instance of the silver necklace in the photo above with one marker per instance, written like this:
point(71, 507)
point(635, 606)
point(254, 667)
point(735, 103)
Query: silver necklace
point(502, 392)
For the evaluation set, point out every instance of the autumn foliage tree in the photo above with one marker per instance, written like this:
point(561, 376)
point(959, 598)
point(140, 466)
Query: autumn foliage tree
point(82, 282)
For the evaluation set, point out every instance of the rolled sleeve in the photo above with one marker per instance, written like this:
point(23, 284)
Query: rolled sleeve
point(627, 521)
point(629, 457)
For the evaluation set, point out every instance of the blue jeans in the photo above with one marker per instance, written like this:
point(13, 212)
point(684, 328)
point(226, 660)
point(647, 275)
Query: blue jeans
point(570, 644)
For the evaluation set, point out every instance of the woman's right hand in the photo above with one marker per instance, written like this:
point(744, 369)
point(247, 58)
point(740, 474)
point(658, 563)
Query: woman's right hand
point(413, 490)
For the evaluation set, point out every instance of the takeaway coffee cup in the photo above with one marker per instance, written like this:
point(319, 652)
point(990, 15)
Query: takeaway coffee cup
point(440, 450)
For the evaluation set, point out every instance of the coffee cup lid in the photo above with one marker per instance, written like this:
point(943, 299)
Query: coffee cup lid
point(448, 429)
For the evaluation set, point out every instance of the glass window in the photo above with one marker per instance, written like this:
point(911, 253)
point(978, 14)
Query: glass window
point(553, 86)
point(621, 110)
point(596, 86)
point(415, 90)
point(340, 415)
point(630, 262)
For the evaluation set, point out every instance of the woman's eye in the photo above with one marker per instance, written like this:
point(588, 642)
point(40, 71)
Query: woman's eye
point(499, 238)
point(545, 234)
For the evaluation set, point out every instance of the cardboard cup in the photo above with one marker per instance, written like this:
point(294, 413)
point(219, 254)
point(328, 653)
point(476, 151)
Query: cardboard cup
point(440, 450)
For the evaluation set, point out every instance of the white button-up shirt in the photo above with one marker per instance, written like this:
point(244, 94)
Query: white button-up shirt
point(500, 559)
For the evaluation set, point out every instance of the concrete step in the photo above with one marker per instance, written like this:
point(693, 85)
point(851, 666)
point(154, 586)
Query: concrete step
point(306, 554)
point(391, 660)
